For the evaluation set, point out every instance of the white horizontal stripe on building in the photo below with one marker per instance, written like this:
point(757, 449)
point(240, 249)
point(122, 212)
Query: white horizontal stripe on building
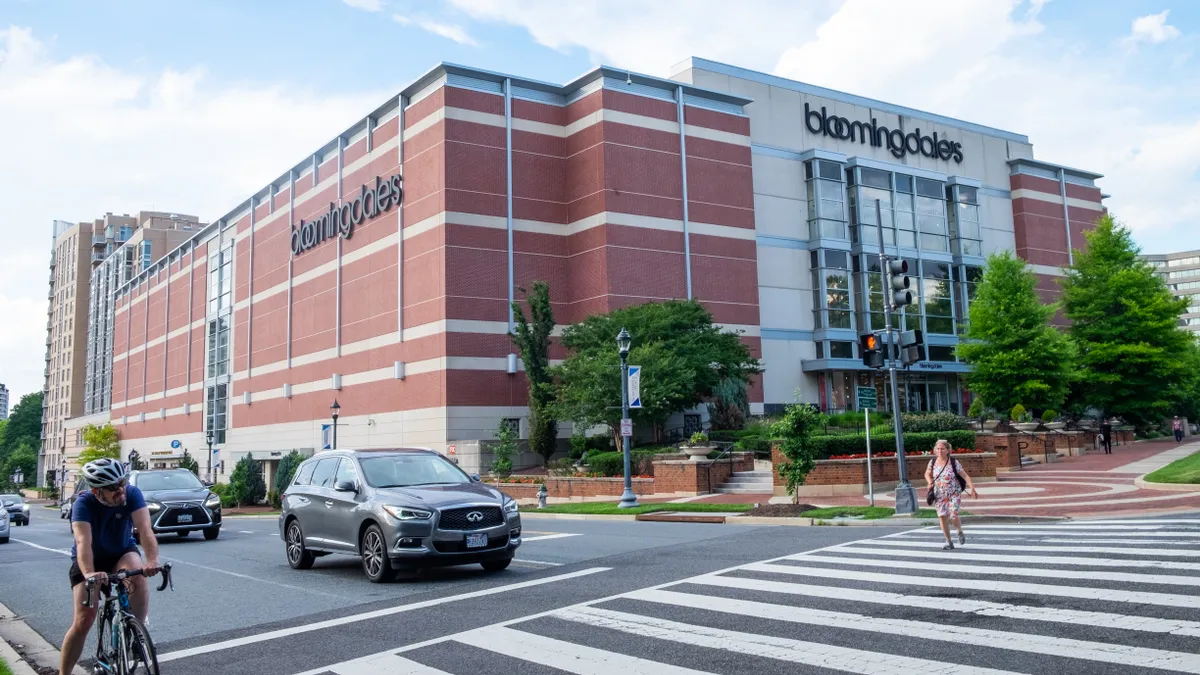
point(1025, 193)
point(1080, 592)
point(951, 604)
point(982, 637)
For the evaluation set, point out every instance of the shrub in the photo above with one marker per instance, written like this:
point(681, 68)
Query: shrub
point(561, 467)
point(1049, 416)
point(852, 419)
point(275, 499)
point(761, 447)
point(607, 463)
point(246, 485)
point(913, 442)
point(287, 470)
point(1018, 413)
point(227, 498)
point(976, 409)
point(926, 422)
point(698, 438)
point(578, 446)
point(503, 449)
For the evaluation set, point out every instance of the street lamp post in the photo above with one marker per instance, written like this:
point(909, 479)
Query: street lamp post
point(628, 499)
point(334, 411)
point(209, 470)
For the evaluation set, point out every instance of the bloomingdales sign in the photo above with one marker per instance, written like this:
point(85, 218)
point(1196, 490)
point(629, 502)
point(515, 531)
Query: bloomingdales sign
point(341, 220)
point(895, 140)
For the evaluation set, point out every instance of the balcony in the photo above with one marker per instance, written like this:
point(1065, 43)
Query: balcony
point(99, 240)
point(97, 258)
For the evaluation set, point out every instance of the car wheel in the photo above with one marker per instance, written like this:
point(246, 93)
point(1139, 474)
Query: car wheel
point(4, 540)
point(496, 565)
point(212, 533)
point(375, 561)
point(299, 558)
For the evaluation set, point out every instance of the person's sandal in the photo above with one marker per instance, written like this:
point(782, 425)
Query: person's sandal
point(962, 539)
point(948, 547)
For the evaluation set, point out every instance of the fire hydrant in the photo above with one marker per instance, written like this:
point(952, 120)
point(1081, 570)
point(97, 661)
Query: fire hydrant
point(542, 496)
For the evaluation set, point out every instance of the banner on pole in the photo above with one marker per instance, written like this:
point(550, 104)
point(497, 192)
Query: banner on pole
point(326, 436)
point(635, 386)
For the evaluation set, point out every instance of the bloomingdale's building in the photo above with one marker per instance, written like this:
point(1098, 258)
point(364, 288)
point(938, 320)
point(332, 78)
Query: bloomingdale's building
point(763, 210)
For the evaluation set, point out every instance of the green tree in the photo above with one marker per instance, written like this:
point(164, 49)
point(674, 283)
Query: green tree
point(246, 484)
point(1014, 354)
point(730, 405)
point(24, 457)
point(532, 339)
point(100, 442)
point(503, 449)
point(287, 470)
point(1133, 356)
point(188, 462)
point(24, 425)
point(683, 355)
point(795, 431)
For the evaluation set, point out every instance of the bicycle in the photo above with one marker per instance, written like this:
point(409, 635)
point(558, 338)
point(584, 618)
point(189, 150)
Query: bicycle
point(123, 643)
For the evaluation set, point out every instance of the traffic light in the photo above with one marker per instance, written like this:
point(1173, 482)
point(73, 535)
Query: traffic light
point(899, 281)
point(912, 347)
point(868, 346)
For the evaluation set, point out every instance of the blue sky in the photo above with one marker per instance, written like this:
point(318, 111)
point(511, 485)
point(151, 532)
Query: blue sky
point(189, 106)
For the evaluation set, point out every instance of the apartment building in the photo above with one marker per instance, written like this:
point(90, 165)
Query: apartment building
point(1181, 271)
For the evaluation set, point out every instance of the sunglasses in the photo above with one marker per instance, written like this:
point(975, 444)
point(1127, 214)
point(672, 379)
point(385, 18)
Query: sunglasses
point(114, 488)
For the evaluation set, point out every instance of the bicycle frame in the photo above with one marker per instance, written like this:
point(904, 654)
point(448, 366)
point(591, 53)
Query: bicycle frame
point(116, 612)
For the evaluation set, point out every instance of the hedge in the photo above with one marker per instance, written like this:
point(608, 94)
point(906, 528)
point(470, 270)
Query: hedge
point(913, 442)
point(613, 463)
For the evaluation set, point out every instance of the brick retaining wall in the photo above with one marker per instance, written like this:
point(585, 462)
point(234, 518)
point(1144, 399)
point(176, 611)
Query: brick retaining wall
point(672, 475)
point(836, 477)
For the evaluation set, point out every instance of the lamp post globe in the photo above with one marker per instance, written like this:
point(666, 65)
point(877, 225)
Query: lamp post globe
point(624, 340)
point(334, 411)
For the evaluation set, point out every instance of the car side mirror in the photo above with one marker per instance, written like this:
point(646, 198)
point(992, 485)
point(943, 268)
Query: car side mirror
point(345, 486)
point(475, 478)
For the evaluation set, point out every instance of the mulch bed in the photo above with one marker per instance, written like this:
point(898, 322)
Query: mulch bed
point(779, 510)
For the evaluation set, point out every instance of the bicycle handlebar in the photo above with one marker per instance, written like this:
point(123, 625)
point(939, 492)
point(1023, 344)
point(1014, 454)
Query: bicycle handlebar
point(114, 579)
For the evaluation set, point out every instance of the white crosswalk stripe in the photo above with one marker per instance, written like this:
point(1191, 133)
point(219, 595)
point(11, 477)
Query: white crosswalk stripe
point(930, 611)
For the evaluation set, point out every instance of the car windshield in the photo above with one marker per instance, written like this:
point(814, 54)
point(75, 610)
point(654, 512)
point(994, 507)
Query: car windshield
point(411, 471)
point(168, 480)
point(11, 499)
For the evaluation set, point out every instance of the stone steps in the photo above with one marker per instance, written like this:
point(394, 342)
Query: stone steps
point(748, 483)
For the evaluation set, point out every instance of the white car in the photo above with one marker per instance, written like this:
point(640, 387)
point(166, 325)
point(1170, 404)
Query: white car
point(3, 530)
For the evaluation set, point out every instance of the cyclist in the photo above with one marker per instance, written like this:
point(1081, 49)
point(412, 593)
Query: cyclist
point(102, 520)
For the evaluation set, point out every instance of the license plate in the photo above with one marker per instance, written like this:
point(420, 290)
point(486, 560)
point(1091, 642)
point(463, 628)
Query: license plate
point(479, 540)
point(185, 517)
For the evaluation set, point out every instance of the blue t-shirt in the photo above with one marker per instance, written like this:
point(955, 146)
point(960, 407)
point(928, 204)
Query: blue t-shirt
point(112, 526)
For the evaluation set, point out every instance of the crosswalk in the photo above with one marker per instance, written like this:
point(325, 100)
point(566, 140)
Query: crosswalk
point(1113, 596)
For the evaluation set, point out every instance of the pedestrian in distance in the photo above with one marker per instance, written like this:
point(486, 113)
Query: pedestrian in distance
point(1177, 425)
point(945, 481)
point(1106, 436)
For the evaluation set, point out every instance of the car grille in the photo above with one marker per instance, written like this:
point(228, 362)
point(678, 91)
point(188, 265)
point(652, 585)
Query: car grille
point(461, 546)
point(464, 519)
point(171, 517)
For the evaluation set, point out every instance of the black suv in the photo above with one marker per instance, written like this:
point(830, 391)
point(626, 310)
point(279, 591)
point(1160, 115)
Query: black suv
point(178, 502)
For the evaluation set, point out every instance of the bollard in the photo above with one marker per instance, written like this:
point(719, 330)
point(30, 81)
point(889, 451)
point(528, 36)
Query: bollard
point(542, 496)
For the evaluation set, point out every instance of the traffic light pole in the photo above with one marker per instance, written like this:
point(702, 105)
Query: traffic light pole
point(906, 496)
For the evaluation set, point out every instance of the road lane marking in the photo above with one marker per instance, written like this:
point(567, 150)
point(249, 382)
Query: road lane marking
point(1080, 592)
point(1032, 643)
point(386, 663)
point(543, 537)
point(568, 656)
point(354, 618)
point(764, 646)
point(1119, 550)
point(1010, 558)
point(245, 532)
point(1179, 534)
point(537, 562)
point(981, 607)
point(44, 548)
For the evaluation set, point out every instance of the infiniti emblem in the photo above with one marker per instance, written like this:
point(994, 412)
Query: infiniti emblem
point(474, 516)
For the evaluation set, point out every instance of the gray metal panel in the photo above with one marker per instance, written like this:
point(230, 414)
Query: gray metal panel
point(787, 334)
point(719, 106)
point(995, 192)
point(428, 89)
point(776, 81)
point(1080, 180)
point(539, 96)
point(781, 242)
point(585, 90)
point(1038, 171)
point(465, 82)
point(639, 89)
point(772, 151)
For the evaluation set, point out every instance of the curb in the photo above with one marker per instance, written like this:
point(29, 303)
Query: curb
point(1141, 482)
point(30, 652)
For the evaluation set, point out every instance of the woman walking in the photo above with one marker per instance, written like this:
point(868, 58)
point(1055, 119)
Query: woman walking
point(945, 480)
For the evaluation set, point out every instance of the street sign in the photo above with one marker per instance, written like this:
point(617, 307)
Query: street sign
point(175, 444)
point(635, 386)
point(627, 428)
point(867, 399)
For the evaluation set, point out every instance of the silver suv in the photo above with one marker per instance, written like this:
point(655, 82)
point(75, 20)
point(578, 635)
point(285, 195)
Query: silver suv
point(399, 510)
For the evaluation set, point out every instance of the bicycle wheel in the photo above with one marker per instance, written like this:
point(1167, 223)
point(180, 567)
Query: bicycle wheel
point(137, 655)
point(106, 653)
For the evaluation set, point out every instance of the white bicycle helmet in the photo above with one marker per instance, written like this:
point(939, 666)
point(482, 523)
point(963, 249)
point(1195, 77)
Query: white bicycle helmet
point(104, 472)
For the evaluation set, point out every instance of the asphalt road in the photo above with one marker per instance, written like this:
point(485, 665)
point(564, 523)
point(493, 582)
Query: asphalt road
point(1119, 596)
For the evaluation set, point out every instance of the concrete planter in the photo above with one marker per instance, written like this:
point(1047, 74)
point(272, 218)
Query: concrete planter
point(698, 452)
point(1026, 426)
point(990, 425)
point(1055, 426)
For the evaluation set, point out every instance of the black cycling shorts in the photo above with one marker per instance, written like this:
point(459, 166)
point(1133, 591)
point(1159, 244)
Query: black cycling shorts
point(101, 563)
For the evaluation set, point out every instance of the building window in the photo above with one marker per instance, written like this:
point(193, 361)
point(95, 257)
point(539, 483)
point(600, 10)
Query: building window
point(220, 279)
point(931, 215)
point(940, 353)
point(216, 398)
point(218, 347)
point(873, 186)
point(826, 200)
point(1183, 262)
point(841, 350)
point(832, 289)
point(146, 254)
point(964, 221)
point(935, 298)
point(513, 424)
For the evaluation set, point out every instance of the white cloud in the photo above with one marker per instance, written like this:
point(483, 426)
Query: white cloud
point(85, 138)
point(368, 5)
point(446, 30)
point(987, 61)
point(1152, 29)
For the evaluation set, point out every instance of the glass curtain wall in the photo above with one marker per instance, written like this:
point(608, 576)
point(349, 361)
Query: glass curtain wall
point(220, 306)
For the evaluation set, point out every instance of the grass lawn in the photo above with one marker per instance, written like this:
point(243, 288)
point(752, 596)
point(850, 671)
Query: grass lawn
point(1186, 470)
point(4, 669)
point(610, 508)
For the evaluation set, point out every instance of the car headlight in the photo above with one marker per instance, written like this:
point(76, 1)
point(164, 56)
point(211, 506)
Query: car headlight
point(510, 506)
point(213, 501)
point(25, 508)
point(401, 513)
point(154, 508)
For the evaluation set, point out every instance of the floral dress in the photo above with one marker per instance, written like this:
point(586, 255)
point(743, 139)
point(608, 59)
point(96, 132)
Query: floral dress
point(947, 497)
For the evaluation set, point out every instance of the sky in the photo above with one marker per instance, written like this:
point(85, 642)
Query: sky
point(191, 105)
